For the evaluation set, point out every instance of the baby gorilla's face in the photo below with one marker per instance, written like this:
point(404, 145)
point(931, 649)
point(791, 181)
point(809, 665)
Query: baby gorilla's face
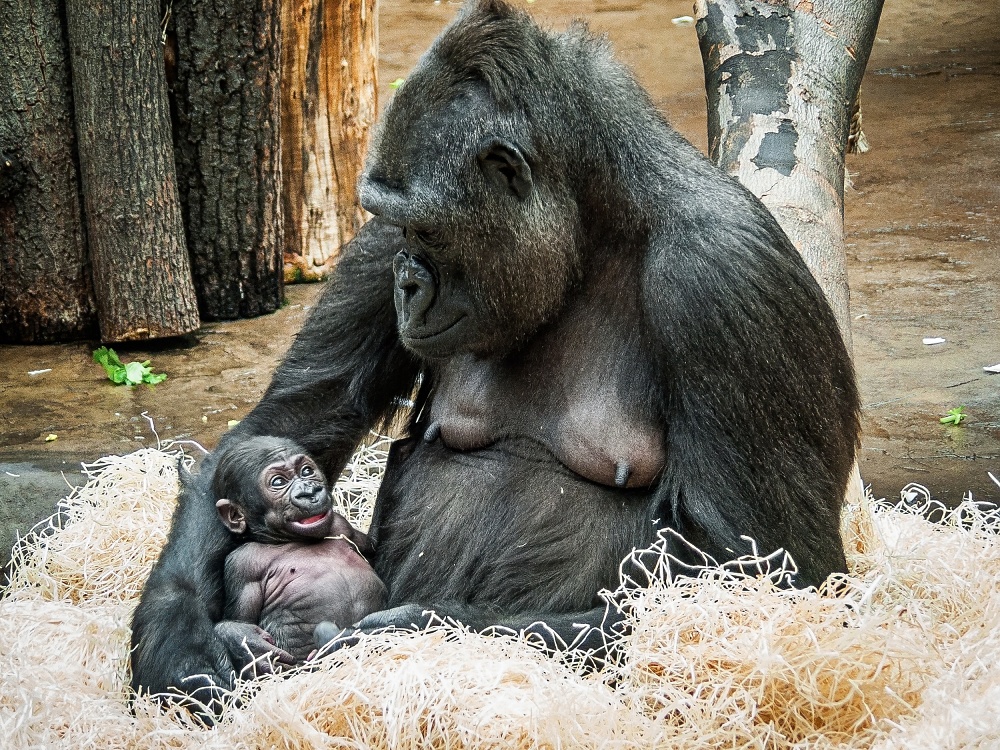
point(299, 504)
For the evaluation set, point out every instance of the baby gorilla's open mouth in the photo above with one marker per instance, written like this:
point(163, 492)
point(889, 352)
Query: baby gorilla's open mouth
point(305, 525)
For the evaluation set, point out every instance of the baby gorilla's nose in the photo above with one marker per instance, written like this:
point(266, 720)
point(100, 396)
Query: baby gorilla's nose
point(309, 495)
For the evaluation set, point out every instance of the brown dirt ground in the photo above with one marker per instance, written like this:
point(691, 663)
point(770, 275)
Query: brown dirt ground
point(922, 232)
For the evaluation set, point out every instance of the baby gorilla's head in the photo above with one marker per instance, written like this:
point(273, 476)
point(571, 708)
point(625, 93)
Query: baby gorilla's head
point(271, 490)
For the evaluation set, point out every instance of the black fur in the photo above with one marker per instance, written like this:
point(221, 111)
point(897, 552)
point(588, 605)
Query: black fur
point(614, 337)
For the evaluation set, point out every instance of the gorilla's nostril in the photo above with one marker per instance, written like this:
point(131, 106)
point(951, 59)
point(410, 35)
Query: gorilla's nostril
point(414, 285)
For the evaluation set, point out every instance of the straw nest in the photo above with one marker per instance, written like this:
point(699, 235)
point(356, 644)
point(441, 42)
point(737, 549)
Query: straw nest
point(907, 656)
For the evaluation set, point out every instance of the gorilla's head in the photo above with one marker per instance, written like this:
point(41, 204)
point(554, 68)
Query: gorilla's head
point(459, 162)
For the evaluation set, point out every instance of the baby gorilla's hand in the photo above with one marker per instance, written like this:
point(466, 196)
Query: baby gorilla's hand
point(252, 648)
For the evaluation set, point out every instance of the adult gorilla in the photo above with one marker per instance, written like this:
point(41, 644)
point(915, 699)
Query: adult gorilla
point(610, 337)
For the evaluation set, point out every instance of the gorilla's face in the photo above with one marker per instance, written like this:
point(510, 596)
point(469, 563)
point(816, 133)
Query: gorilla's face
point(491, 243)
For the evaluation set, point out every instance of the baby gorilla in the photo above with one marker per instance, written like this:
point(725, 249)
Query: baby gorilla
point(302, 563)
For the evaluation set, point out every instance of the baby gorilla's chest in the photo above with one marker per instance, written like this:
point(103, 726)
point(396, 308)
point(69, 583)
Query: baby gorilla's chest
point(312, 583)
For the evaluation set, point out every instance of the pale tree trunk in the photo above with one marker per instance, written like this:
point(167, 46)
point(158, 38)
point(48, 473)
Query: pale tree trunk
point(141, 272)
point(781, 79)
point(328, 106)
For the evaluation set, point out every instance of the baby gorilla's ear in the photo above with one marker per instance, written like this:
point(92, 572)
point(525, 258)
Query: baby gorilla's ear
point(232, 515)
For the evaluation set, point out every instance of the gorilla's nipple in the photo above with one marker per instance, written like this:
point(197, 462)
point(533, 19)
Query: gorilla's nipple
point(622, 473)
point(433, 432)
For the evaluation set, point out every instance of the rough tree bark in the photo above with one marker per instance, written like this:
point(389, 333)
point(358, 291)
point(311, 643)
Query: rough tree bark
point(142, 277)
point(45, 292)
point(781, 78)
point(328, 105)
point(228, 153)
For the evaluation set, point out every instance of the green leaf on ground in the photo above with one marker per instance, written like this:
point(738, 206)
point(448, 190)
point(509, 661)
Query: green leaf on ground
point(132, 373)
point(955, 416)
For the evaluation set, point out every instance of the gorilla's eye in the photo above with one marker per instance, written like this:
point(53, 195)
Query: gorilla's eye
point(422, 237)
point(306, 471)
point(277, 481)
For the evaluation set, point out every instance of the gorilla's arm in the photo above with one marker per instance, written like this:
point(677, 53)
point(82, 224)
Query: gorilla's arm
point(173, 643)
point(758, 442)
point(244, 572)
point(340, 378)
point(342, 527)
point(246, 642)
point(347, 367)
point(588, 633)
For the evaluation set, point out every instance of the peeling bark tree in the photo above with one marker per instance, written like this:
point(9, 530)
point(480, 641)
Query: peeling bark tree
point(328, 106)
point(781, 78)
point(142, 278)
point(228, 153)
point(45, 292)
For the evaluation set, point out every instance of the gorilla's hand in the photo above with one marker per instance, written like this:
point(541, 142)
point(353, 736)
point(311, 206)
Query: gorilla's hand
point(331, 637)
point(252, 648)
point(188, 666)
point(404, 617)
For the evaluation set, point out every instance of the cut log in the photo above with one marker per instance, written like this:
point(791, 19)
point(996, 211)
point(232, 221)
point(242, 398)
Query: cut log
point(142, 277)
point(45, 291)
point(328, 106)
point(228, 153)
point(781, 79)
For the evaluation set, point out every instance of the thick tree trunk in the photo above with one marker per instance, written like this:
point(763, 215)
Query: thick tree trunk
point(228, 152)
point(45, 292)
point(142, 277)
point(781, 79)
point(328, 106)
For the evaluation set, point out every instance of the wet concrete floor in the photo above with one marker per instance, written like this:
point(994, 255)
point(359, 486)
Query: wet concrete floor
point(923, 248)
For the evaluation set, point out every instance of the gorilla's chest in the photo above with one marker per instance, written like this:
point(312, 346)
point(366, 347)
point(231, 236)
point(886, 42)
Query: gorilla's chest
point(582, 389)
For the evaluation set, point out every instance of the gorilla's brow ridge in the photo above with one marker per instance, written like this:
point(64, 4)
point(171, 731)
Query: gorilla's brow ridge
point(502, 46)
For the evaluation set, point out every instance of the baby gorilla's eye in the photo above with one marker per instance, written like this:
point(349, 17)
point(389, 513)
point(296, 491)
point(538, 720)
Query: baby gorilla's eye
point(277, 481)
point(306, 471)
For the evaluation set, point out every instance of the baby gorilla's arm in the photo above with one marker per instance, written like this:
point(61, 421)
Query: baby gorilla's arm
point(247, 643)
point(251, 648)
point(341, 527)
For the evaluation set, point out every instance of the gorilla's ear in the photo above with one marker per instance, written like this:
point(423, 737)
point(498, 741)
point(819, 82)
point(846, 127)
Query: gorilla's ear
point(505, 167)
point(231, 515)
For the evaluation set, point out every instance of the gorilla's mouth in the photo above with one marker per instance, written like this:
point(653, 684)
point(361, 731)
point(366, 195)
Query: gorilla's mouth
point(305, 524)
point(440, 331)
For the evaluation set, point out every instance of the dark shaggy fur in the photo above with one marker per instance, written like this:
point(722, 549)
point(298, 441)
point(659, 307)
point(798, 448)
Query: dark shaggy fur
point(613, 336)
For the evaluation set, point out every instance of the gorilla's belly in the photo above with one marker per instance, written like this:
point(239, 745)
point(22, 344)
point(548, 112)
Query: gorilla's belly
point(502, 527)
